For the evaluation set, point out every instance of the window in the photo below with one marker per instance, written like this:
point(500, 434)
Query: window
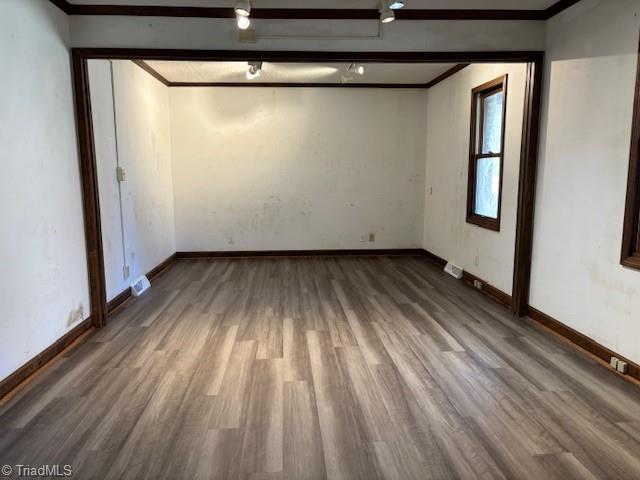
point(488, 111)
point(631, 228)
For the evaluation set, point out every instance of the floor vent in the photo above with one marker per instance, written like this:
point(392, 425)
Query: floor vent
point(454, 270)
point(140, 286)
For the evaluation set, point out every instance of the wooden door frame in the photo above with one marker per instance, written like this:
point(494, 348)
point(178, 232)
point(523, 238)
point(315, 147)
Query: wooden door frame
point(88, 167)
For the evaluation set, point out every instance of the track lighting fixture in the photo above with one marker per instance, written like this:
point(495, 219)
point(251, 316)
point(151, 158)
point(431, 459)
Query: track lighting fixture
point(254, 70)
point(243, 8)
point(396, 4)
point(243, 22)
point(387, 16)
point(356, 68)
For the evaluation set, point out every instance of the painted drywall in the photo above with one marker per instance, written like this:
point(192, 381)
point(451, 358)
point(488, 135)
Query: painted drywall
point(330, 35)
point(286, 168)
point(484, 253)
point(43, 285)
point(590, 73)
point(143, 149)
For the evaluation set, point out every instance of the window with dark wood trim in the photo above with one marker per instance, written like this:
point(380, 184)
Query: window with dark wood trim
point(631, 229)
point(486, 154)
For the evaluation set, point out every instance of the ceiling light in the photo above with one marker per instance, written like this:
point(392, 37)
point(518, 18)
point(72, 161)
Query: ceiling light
point(243, 22)
point(254, 70)
point(356, 68)
point(396, 4)
point(243, 8)
point(387, 15)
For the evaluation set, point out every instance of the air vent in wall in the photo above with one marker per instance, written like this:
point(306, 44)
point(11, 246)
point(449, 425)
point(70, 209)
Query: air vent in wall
point(140, 286)
point(454, 270)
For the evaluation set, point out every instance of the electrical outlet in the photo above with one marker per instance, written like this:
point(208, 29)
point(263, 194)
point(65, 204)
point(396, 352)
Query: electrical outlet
point(622, 367)
point(125, 272)
point(477, 284)
point(121, 174)
point(614, 362)
point(372, 237)
point(364, 238)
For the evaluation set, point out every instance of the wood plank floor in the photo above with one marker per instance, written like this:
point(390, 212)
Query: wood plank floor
point(341, 368)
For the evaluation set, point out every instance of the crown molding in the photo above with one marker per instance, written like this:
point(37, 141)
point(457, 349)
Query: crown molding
point(158, 76)
point(312, 13)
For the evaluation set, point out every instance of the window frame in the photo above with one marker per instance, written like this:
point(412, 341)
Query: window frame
point(475, 145)
point(630, 256)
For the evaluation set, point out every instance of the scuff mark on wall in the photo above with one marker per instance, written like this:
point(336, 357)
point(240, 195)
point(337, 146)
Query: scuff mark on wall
point(75, 316)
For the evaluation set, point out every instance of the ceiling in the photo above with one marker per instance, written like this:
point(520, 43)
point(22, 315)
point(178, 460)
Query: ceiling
point(334, 73)
point(364, 4)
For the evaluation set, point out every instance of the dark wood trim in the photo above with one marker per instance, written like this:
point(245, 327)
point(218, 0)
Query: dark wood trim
point(303, 253)
point(114, 304)
point(40, 360)
point(87, 150)
point(475, 146)
point(292, 56)
point(118, 300)
point(161, 268)
point(487, 289)
point(441, 262)
point(527, 188)
point(152, 71)
point(582, 341)
point(418, 86)
point(576, 338)
point(630, 253)
point(309, 13)
point(469, 14)
point(63, 5)
point(313, 13)
point(469, 279)
point(90, 196)
point(558, 7)
point(452, 71)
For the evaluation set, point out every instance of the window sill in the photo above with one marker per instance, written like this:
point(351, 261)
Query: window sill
point(632, 261)
point(484, 222)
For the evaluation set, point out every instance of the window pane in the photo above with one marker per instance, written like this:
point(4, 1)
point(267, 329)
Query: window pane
point(487, 187)
point(492, 123)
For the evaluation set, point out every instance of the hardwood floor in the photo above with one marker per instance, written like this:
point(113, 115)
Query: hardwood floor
point(341, 368)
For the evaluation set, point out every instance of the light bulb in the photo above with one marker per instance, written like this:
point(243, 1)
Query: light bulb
point(253, 73)
point(243, 22)
point(387, 15)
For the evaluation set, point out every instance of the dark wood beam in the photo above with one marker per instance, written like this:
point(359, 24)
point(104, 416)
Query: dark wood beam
point(152, 71)
point(511, 56)
point(558, 7)
point(311, 13)
point(452, 71)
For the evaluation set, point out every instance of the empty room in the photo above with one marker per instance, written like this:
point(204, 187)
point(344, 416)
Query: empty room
point(280, 239)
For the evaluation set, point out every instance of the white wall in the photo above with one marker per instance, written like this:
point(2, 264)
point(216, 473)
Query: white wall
point(589, 86)
point(43, 281)
point(484, 253)
point(222, 34)
point(307, 168)
point(144, 151)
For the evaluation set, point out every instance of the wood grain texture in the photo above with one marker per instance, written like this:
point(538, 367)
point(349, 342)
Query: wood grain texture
point(323, 367)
